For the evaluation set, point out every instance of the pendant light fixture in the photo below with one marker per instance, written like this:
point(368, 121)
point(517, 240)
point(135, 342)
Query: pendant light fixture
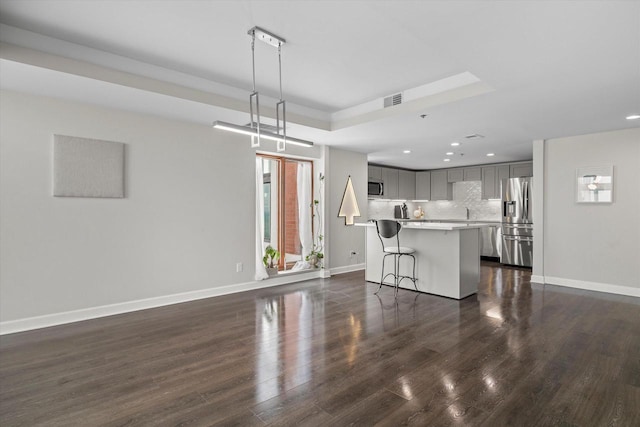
point(253, 128)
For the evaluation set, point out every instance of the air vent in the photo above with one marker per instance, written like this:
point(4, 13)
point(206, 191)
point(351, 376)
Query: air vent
point(392, 100)
point(474, 136)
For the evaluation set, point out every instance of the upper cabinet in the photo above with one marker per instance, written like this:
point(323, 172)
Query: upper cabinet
point(503, 172)
point(406, 185)
point(464, 174)
point(438, 184)
point(492, 177)
point(398, 184)
point(390, 182)
point(520, 170)
point(490, 185)
point(375, 173)
point(455, 175)
point(441, 188)
point(472, 174)
point(423, 185)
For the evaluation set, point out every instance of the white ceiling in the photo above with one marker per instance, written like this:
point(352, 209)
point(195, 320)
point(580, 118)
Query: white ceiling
point(556, 68)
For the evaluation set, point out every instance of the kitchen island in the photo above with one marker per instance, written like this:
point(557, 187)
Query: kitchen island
point(447, 257)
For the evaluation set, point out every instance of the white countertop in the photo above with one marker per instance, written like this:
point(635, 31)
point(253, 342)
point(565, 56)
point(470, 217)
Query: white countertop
point(488, 221)
point(447, 226)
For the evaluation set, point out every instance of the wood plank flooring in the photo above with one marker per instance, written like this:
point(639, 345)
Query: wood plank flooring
point(330, 352)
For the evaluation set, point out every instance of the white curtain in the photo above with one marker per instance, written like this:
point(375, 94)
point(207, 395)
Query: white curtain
point(304, 208)
point(261, 272)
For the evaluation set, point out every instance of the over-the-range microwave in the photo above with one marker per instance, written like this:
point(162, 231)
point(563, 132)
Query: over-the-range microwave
point(375, 189)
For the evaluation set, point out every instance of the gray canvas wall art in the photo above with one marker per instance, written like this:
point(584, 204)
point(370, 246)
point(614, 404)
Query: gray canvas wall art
point(85, 167)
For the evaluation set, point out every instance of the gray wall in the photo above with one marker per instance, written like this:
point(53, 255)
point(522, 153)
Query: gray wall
point(595, 246)
point(167, 236)
point(344, 239)
point(187, 218)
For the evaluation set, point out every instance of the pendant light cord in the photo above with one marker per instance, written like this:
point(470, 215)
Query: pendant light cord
point(253, 58)
point(280, 68)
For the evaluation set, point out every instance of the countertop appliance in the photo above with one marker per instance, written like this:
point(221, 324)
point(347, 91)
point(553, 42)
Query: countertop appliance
point(375, 188)
point(401, 211)
point(517, 222)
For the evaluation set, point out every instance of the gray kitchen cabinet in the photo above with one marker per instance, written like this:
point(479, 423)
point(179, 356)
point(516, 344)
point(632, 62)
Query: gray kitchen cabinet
point(441, 188)
point(492, 177)
point(472, 174)
point(423, 185)
point(520, 170)
point(406, 185)
point(490, 184)
point(390, 182)
point(375, 173)
point(455, 175)
point(503, 172)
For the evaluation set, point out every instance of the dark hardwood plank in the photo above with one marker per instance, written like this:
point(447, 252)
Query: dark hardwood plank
point(330, 352)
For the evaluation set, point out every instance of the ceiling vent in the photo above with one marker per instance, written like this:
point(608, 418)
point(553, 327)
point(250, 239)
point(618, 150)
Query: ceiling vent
point(392, 100)
point(474, 136)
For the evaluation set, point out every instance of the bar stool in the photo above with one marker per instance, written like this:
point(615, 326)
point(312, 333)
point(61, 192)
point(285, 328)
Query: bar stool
point(387, 229)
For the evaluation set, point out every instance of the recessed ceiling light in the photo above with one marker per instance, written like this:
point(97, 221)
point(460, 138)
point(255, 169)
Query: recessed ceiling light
point(455, 144)
point(633, 117)
point(447, 160)
point(450, 153)
point(406, 151)
point(491, 154)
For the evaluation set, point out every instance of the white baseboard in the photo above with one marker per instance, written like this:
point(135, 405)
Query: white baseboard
point(347, 269)
point(537, 279)
point(592, 286)
point(29, 323)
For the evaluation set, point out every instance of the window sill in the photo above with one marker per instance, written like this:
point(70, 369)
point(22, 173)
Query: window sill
point(293, 273)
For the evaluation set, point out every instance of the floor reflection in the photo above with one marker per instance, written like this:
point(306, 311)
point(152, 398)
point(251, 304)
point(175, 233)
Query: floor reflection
point(284, 328)
point(384, 312)
point(290, 328)
point(350, 337)
point(507, 296)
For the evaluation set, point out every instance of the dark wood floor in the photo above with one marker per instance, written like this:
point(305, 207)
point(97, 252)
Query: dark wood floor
point(330, 352)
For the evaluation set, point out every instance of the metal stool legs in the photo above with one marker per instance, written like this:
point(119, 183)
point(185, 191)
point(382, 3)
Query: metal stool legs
point(397, 278)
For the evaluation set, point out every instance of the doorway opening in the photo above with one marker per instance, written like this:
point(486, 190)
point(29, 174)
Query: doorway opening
point(287, 192)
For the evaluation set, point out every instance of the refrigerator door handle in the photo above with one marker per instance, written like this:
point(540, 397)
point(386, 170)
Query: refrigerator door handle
point(528, 198)
point(525, 200)
point(525, 212)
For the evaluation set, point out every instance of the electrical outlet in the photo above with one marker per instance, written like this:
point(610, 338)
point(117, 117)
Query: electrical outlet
point(239, 267)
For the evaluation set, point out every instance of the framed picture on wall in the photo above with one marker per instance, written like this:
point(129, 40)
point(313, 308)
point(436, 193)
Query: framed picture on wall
point(594, 184)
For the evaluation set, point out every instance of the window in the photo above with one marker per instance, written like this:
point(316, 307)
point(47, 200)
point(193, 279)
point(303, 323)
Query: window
point(287, 193)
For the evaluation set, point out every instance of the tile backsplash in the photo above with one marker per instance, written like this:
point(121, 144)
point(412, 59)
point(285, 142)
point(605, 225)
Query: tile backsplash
point(465, 195)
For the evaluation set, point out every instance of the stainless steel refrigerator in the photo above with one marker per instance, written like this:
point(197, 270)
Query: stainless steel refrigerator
point(517, 222)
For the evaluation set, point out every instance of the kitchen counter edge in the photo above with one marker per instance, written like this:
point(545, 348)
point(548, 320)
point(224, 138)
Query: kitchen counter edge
point(446, 226)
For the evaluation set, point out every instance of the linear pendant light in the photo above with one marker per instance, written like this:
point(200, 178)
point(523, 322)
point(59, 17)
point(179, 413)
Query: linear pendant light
point(253, 129)
point(253, 132)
